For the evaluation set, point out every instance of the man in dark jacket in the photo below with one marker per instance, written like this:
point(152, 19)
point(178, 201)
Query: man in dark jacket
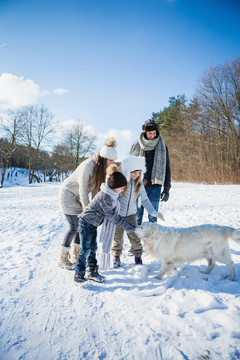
point(158, 173)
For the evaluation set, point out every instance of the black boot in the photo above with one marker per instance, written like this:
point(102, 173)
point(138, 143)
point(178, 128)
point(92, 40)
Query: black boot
point(79, 277)
point(93, 274)
point(138, 260)
point(116, 262)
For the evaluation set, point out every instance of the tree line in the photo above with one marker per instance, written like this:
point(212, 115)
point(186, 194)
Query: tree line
point(28, 131)
point(202, 133)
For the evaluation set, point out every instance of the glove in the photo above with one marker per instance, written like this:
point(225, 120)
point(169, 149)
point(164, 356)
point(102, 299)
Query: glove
point(158, 215)
point(128, 227)
point(164, 195)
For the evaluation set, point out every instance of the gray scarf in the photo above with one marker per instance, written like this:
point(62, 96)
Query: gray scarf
point(159, 162)
point(108, 228)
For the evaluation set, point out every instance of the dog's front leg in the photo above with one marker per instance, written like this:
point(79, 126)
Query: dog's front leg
point(161, 272)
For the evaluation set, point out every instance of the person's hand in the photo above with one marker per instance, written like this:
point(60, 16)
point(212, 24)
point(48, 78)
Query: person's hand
point(158, 215)
point(164, 195)
point(129, 228)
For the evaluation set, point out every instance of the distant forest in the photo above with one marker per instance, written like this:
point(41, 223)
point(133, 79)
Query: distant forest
point(202, 134)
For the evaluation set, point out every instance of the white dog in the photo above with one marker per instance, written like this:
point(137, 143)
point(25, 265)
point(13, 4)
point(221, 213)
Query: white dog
point(178, 245)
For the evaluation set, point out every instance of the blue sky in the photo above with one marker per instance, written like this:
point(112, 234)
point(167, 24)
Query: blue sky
point(111, 63)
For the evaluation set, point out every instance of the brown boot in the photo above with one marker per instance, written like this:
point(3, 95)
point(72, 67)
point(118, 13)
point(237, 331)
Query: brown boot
point(64, 259)
point(75, 252)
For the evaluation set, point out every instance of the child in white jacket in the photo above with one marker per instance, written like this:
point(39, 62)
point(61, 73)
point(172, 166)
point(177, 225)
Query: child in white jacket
point(133, 168)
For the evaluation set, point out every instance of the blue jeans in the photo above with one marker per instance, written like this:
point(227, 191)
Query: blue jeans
point(153, 194)
point(88, 246)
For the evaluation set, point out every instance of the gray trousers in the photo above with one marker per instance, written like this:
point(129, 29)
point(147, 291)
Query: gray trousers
point(135, 241)
point(72, 233)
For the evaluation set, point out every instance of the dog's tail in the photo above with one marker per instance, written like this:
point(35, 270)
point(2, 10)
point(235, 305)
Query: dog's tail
point(236, 235)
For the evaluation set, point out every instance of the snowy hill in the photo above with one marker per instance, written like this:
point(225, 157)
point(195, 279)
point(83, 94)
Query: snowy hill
point(44, 315)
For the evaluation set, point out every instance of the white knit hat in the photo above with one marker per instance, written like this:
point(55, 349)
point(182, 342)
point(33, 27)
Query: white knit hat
point(133, 163)
point(108, 151)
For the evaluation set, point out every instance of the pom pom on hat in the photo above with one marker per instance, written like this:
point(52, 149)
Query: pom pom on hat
point(115, 178)
point(111, 142)
point(108, 151)
point(112, 169)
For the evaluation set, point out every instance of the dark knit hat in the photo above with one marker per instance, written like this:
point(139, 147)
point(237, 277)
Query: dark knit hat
point(116, 180)
point(150, 125)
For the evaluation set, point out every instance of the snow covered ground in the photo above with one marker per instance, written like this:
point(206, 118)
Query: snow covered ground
point(45, 316)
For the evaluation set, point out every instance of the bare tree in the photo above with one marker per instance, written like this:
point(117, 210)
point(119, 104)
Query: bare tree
point(219, 95)
point(61, 158)
point(10, 124)
point(37, 126)
point(79, 142)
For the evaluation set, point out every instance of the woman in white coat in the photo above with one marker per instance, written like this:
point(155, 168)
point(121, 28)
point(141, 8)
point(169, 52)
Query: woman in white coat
point(74, 196)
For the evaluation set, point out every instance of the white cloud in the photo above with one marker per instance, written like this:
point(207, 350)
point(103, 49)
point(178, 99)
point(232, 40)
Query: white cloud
point(16, 91)
point(2, 45)
point(123, 135)
point(60, 91)
point(65, 125)
point(70, 123)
